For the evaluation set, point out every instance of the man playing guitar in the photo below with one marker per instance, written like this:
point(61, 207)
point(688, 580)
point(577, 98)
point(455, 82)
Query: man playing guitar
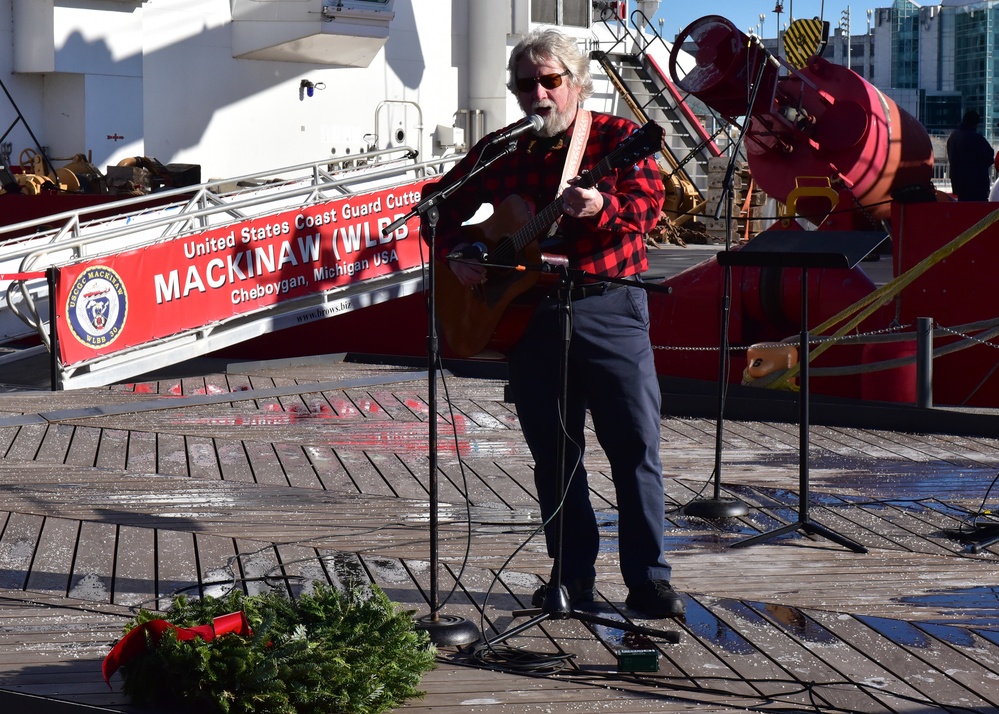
point(601, 233)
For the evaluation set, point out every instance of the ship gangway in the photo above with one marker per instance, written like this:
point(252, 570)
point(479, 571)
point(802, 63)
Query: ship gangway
point(633, 61)
point(182, 273)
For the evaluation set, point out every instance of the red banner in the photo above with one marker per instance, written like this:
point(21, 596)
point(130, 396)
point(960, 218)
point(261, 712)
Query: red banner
point(109, 304)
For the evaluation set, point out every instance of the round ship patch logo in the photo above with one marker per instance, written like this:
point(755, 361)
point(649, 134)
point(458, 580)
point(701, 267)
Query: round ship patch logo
point(97, 306)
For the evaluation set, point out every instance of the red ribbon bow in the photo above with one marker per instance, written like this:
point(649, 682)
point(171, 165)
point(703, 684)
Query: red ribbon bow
point(135, 642)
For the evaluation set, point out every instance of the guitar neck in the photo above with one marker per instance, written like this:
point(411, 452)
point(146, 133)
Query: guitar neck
point(518, 240)
point(642, 143)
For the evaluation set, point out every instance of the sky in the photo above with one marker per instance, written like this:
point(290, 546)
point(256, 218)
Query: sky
point(677, 14)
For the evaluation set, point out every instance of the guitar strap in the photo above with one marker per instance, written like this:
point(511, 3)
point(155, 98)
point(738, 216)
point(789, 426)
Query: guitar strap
point(574, 156)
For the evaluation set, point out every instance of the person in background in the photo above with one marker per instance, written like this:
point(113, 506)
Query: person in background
point(611, 368)
point(970, 156)
point(994, 193)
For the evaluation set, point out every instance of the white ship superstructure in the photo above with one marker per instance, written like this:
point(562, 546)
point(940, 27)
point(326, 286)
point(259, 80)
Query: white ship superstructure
point(238, 86)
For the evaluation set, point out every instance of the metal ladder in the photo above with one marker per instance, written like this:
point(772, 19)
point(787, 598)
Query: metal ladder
point(644, 86)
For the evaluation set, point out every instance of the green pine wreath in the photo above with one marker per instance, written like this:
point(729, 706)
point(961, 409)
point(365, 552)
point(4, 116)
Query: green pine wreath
point(329, 652)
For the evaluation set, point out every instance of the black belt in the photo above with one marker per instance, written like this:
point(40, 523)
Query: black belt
point(591, 289)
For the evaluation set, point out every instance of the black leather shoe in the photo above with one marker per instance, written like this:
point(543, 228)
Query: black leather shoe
point(656, 599)
point(580, 592)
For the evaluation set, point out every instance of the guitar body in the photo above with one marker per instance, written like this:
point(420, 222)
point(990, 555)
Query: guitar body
point(471, 316)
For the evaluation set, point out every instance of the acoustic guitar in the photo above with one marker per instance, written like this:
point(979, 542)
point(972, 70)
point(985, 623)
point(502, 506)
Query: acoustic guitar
point(493, 315)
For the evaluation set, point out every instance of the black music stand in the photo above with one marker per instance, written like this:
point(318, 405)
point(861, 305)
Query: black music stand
point(804, 250)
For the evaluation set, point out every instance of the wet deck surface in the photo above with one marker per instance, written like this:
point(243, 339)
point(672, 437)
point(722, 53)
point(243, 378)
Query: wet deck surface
point(280, 475)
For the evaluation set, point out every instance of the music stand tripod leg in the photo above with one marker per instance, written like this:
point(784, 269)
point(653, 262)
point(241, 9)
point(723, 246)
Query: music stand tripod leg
point(670, 636)
point(979, 547)
point(813, 528)
point(807, 527)
point(760, 538)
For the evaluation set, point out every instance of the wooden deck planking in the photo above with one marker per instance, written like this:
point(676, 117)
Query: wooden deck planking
point(978, 449)
point(814, 575)
point(234, 462)
point(27, 442)
point(370, 516)
point(176, 567)
point(134, 581)
point(92, 574)
point(723, 658)
point(594, 646)
point(83, 447)
point(202, 458)
point(381, 406)
point(329, 469)
point(7, 436)
point(454, 692)
point(141, 456)
point(801, 665)
point(416, 404)
point(171, 454)
point(112, 450)
point(53, 558)
point(217, 567)
point(927, 664)
point(55, 443)
point(913, 529)
point(17, 549)
point(264, 463)
point(841, 520)
point(363, 473)
point(258, 567)
point(485, 484)
point(296, 466)
point(409, 480)
point(302, 568)
point(472, 410)
point(501, 416)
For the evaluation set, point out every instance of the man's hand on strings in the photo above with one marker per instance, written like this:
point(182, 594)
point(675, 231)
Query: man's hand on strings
point(579, 202)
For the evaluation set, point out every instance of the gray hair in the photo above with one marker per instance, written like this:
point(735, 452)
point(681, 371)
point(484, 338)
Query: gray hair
point(541, 45)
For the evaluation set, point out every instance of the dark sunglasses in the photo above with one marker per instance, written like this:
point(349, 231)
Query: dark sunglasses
point(548, 81)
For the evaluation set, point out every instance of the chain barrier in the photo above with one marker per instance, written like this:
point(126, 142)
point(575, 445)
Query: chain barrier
point(970, 338)
point(888, 334)
point(780, 379)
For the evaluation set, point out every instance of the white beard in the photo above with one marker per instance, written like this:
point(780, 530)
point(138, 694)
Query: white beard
point(554, 122)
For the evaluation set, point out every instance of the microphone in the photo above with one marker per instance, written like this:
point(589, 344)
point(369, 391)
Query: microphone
point(474, 251)
point(531, 123)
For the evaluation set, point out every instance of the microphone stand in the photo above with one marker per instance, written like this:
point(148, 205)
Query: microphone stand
point(556, 604)
point(443, 630)
point(718, 506)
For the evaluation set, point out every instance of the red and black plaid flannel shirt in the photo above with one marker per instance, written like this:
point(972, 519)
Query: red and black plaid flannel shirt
point(610, 244)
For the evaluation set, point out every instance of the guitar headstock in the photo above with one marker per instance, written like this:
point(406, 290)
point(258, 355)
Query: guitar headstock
point(644, 142)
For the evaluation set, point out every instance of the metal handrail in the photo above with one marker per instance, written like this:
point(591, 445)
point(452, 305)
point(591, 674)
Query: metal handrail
point(136, 205)
point(313, 193)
